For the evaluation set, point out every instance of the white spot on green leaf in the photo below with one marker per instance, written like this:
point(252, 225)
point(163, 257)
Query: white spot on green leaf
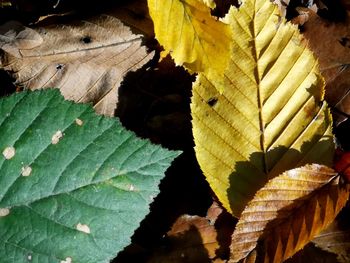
point(83, 228)
point(56, 137)
point(9, 152)
point(67, 260)
point(4, 212)
point(26, 170)
point(79, 122)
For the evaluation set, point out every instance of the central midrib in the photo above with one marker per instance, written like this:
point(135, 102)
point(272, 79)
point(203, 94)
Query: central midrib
point(259, 98)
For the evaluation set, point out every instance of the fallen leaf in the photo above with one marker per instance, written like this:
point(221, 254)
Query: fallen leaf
point(14, 37)
point(194, 238)
point(336, 237)
point(330, 41)
point(269, 118)
point(312, 254)
point(287, 213)
point(86, 61)
point(76, 201)
point(5, 3)
point(135, 15)
point(194, 39)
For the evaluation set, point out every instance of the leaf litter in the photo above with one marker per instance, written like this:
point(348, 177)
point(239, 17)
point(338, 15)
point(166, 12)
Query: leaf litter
point(158, 136)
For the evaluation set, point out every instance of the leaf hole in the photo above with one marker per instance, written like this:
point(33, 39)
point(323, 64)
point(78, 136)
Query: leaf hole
point(86, 40)
point(212, 101)
point(59, 66)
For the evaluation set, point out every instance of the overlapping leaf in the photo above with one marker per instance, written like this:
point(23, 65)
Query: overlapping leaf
point(269, 117)
point(86, 61)
point(191, 35)
point(73, 185)
point(333, 54)
point(286, 213)
point(197, 239)
point(336, 238)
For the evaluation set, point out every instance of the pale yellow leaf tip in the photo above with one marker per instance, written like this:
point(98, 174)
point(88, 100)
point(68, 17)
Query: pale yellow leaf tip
point(210, 3)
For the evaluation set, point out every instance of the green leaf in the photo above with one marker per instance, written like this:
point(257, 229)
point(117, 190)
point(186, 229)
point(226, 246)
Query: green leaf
point(73, 185)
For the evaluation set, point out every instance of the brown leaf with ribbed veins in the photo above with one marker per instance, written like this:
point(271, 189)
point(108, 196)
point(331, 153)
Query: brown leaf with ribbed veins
point(330, 41)
point(287, 213)
point(86, 61)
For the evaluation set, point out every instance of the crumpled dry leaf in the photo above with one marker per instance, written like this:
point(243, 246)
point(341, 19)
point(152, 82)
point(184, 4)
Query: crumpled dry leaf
point(283, 5)
point(312, 254)
point(287, 213)
point(135, 15)
point(14, 37)
point(86, 61)
point(330, 41)
point(336, 237)
point(197, 239)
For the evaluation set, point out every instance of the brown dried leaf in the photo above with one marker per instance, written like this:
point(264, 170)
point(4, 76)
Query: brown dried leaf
point(330, 41)
point(86, 61)
point(197, 239)
point(312, 254)
point(14, 36)
point(287, 213)
point(135, 15)
point(336, 237)
point(345, 4)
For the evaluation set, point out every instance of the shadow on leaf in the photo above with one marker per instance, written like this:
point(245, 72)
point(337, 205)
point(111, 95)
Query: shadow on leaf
point(248, 177)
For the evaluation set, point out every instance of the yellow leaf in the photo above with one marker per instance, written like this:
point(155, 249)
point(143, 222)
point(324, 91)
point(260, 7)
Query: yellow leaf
point(287, 213)
point(269, 117)
point(191, 35)
point(209, 3)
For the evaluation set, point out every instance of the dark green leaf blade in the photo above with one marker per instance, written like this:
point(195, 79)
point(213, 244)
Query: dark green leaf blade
point(78, 184)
